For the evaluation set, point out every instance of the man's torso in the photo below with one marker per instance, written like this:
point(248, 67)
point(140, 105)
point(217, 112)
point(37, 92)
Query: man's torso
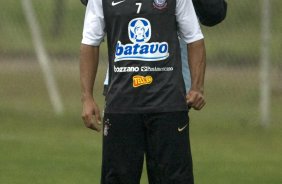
point(144, 59)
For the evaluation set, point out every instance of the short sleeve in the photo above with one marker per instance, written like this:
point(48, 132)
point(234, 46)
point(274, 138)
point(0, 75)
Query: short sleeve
point(94, 24)
point(188, 24)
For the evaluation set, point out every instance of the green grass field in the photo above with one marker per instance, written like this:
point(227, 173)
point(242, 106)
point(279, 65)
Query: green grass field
point(36, 146)
point(228, 144)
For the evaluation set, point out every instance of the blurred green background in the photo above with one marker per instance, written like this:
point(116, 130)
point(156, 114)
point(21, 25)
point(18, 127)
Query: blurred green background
point(229, 145)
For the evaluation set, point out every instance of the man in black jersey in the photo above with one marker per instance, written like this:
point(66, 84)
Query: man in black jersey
point(146, 104)
point(210, 13)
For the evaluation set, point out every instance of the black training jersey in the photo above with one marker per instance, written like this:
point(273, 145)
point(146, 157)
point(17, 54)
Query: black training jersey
point(144, 57)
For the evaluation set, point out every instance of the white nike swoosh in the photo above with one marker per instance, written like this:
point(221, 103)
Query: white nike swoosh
point(181, 129)
point(116, 3)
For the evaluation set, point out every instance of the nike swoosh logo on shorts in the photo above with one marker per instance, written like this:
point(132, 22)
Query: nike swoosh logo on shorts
point(116, 3)
point(181, 129)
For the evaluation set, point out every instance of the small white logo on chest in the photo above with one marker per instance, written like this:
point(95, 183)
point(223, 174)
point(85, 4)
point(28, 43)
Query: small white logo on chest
point(116, 3)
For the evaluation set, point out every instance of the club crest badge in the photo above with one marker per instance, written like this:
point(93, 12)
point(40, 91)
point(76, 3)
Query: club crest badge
point(160, 4)
point(106, 127)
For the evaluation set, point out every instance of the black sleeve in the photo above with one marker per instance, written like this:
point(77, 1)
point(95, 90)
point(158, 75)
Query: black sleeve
point(84, 2)
point(210, 12)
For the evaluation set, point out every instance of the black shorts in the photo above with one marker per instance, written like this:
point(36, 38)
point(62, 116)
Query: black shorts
point(163, 138)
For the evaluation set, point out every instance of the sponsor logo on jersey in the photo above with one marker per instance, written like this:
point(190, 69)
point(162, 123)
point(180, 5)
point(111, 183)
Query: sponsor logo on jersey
point(130, 69)
point(126, 69)
point(156, 69)
point(160, 4)
point(139, 33)
point(139, 80)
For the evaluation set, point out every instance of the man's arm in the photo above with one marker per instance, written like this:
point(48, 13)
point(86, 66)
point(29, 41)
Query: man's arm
point(197, 64)
point(89, 59)
point(93, 34)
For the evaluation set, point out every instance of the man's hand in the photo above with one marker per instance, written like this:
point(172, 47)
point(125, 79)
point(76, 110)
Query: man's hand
point(195, 99)
point(91, 114)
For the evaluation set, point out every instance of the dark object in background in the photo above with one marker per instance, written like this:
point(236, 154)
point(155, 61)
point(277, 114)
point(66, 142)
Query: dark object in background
point(209, 12)
point(84, 2)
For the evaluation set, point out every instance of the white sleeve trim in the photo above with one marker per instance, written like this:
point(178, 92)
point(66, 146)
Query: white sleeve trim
point(106, 81)
point(94, 25)
point(188, 25)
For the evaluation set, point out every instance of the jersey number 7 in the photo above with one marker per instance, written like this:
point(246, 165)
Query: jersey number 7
point(139, 7)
